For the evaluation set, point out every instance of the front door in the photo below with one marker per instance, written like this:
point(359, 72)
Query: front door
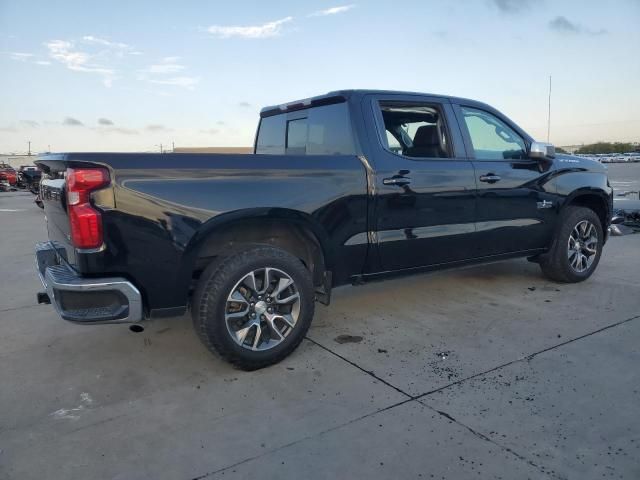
point(425, 185)
point(515, 210)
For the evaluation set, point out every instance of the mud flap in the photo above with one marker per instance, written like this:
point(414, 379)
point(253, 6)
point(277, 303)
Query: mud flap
point(323, 292)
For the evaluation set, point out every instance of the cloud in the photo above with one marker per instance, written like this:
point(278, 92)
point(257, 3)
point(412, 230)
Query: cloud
point(244, 104)
point(332, 11)
point(157, 128)
point(117, 48)
point(9, 129)
point(20, 56)
point(184, 82)
point(108, 126)
point(65, 53)
point(160, 74)
point(266, 30)
point(81, 55)
point(562, 25)
point(210, 131)
point(165, 68)
point(30, 123)
point(27, 58)
point(72, 122)
point(106, 43)
point(122, 130)
point(513, 6)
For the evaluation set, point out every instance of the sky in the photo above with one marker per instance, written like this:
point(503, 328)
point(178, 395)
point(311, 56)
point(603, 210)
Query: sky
point(133, 75)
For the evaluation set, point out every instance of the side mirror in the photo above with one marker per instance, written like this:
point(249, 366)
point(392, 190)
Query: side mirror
point(540, 150)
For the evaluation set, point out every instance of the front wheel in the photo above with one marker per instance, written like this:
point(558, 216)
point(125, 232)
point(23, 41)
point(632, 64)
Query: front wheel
point(254, 308)
point(577, 247)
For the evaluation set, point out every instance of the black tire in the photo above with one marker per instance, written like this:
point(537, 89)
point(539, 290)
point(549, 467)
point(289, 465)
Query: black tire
point(555, 264)
point(218, 281)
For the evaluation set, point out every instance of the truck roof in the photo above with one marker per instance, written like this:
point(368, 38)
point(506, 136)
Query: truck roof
point(337, 96)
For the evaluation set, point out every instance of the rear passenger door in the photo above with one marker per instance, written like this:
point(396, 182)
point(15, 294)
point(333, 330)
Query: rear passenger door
point(424, 184)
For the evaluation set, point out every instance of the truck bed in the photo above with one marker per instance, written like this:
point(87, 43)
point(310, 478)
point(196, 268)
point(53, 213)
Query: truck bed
point(158, 206)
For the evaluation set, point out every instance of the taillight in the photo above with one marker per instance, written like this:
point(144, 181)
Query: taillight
point(85, 221)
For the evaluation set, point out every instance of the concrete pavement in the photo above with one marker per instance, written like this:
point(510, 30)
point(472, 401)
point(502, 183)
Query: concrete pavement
point(483, 372)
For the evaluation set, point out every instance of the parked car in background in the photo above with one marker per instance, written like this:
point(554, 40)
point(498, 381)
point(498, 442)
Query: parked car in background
point(8, 174)
point(29, 178)
point(342, 188)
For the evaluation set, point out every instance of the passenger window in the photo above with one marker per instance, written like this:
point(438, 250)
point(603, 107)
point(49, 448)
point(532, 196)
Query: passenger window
point(297, 136)
point(415, 130)
point(392, 143)
point(492, 139)
point(271, 135)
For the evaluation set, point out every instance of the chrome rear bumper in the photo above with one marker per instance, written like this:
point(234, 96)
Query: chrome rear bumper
point(85, 300)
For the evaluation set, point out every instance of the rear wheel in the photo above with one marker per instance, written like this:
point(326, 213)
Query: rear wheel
point(577, 247)
point(254, 308)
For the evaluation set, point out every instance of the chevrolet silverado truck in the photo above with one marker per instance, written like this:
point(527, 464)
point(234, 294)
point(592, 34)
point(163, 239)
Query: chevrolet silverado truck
point(341, 188)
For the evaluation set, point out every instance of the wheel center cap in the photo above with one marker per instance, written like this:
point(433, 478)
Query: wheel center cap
point(261, 307)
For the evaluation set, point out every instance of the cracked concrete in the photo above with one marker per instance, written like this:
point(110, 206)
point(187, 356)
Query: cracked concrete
point(484, 372)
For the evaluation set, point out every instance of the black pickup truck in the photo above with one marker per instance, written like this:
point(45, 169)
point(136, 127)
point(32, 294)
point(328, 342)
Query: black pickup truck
point(342, 188)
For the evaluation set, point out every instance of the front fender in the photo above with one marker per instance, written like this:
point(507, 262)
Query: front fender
point(580, 186)
point(575, 183)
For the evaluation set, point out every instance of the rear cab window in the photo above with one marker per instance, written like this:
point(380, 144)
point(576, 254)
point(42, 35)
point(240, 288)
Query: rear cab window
point(323, 130)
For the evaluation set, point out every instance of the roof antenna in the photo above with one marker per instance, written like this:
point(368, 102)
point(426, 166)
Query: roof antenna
point(549, 112)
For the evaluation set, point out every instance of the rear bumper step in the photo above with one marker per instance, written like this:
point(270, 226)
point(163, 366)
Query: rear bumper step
point(85, 300)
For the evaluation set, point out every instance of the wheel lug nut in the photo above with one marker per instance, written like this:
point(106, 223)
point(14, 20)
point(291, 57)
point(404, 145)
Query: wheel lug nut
point(253, 314)
point(270, 310)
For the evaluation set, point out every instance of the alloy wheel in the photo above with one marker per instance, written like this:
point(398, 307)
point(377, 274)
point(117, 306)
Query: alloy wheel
point(262, 309)
point(582, 246)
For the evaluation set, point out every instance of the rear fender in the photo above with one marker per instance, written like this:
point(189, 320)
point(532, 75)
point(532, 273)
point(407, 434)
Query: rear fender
point(214, 231)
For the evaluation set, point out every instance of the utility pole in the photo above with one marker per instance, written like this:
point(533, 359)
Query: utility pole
point(29, 152)
point(160, 148)
point(549, 112)
point(173, 147)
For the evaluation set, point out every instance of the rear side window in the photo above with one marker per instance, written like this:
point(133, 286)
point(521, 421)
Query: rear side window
point(330, 131)
point(297, 136)
point(323, 131)
point(271, 135)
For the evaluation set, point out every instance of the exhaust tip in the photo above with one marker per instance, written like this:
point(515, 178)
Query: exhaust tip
point(136, 328)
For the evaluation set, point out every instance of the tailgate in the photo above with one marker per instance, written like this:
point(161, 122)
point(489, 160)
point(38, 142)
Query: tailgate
point(53, 195)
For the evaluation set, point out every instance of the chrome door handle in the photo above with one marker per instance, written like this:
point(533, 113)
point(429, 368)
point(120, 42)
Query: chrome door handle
point(490, 178)
point(399, 181)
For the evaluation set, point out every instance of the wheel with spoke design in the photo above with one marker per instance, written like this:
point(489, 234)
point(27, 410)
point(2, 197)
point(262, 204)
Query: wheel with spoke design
point(576, 250)
point(254, 308)
point(262, 309)
point(582, 246)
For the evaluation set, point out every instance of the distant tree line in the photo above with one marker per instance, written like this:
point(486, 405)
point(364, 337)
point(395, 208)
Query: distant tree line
point(608, 147)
